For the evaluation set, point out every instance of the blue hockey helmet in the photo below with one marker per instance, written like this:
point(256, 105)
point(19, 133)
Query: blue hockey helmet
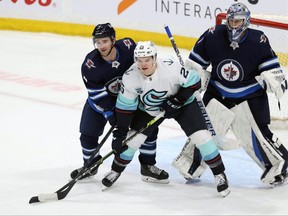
point(237, 11)
point(104, 30)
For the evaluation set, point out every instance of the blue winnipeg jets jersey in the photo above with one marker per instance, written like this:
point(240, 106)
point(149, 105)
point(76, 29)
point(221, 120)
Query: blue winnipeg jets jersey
point(102, 79)
point(234, 68)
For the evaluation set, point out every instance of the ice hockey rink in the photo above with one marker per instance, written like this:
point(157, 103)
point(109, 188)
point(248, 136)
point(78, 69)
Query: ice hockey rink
point(42, 95)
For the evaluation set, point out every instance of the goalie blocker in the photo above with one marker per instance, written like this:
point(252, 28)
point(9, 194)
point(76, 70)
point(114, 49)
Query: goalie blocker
point(271, 157)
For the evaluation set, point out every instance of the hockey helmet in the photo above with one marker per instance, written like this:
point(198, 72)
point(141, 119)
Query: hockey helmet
point(237, 11)
point(104, 30)
point(145, 49)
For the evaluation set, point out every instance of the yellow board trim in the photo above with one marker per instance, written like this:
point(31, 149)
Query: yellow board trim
point(86, 30)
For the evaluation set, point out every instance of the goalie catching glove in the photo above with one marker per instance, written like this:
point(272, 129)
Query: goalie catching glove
point(273, 81)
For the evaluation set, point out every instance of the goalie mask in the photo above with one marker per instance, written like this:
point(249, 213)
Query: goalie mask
point(237, 13)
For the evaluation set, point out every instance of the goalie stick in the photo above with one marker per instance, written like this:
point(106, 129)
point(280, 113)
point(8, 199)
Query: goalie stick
point(63, 191)
point(225, 192)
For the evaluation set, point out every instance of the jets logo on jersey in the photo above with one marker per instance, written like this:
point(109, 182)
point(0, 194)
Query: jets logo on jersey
point(90, 64)
point(114, 85)
point(127, 43)
point(230, 70)
point(153, 99)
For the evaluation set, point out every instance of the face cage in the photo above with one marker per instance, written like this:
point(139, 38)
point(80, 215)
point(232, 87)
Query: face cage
point(235, 35)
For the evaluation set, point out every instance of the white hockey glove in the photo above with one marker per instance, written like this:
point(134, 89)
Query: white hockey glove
point(204, 74)
point(274, 81)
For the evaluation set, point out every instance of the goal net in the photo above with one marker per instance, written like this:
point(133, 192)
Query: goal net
point(276, 29)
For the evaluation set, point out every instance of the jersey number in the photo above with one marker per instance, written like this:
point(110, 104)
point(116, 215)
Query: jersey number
point(184, 72)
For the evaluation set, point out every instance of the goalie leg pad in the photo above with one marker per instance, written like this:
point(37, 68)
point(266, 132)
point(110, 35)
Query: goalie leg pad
point(246, 129)
point(189, 162)
point(221, 118)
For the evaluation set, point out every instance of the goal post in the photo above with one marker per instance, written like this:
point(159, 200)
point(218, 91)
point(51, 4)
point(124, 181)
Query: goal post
point(276, 29)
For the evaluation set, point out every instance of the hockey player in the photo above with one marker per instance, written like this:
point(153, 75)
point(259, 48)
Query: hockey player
point(244, 66)
point(102, 72)
point(150, 85)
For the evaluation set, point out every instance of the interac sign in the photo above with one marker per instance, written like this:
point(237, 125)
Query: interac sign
point(188, 18)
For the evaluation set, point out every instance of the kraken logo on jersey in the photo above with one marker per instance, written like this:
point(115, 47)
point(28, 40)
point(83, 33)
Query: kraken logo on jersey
point(230, 70)
point(154, 99)
point(113, 86)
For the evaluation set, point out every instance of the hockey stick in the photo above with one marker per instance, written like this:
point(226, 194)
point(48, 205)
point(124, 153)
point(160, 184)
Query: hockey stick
point(62, 192)
point(196, 94)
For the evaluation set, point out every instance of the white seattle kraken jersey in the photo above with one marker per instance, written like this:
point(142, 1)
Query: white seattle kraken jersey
point(148, 93)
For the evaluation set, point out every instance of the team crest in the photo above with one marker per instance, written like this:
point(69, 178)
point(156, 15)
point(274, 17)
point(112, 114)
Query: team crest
point(153, 99)
point(230, 70)
point(113, 86)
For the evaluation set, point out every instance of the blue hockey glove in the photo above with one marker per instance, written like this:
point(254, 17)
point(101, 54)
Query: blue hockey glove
point(172, 107)
point(110, 116)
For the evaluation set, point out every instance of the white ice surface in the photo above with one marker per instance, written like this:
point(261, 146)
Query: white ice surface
point(42, 94)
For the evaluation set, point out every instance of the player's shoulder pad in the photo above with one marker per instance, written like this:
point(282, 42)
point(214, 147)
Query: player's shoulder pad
point(167, 60)
point(126, 43)
point(92, 59)
point(258, 36)
point(215, 29)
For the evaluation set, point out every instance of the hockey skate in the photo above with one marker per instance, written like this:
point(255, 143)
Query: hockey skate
point(154, 174)
point(280, 180)
point(92, 172)
point(222, 184)
point(109, 179)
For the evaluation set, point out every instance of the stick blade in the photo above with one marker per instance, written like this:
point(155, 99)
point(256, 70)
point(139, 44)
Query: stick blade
point(44, 198)
point(34, 199)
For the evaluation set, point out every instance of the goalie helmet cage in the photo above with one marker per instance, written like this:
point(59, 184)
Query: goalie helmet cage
point(276, 29)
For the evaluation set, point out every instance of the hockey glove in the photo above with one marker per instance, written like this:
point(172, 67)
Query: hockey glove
point(172, 107)
point(110, 116)
point(204, 74)
point(117, 143)
point(274, 81)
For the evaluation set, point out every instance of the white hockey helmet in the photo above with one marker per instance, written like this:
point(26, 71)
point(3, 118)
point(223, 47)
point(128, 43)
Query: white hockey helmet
point(145, 49)
point(237, 11)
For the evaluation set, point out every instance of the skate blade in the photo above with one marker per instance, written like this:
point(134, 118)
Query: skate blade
point(153, 180)
point(280, 184)
point(225, 193)
point(104, 188)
